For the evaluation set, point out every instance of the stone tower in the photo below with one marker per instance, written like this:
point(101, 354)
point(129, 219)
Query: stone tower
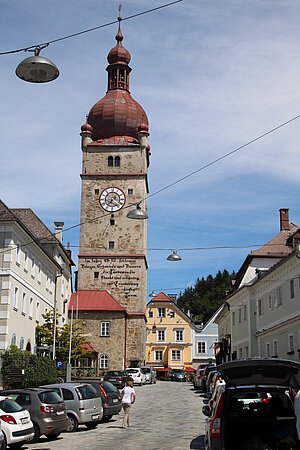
point(115, 160)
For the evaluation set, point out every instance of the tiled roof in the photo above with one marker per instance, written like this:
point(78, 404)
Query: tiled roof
point(278, 245)
point(94, 301)
point(5, 213)
point(34, 224)
point(162, 297)
point(87, 347)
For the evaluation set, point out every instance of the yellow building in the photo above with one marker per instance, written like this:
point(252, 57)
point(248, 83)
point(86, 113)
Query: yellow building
point(169, 336)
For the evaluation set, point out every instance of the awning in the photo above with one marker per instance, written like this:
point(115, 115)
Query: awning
point(162, 369)
point(189, 369)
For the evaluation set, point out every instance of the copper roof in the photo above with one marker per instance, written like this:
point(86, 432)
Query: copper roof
point(92, 300)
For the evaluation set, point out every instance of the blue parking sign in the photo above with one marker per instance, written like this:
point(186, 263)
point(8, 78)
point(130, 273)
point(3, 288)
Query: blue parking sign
point(59, 364)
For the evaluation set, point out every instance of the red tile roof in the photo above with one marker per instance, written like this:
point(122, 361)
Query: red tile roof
point(162, 297)
point(94, 301)
point(88, 348)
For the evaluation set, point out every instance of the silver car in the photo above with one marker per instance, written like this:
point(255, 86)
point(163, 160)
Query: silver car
point(150, 374)
point(84, 404)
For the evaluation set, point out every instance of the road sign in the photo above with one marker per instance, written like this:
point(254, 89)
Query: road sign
point(59, 364)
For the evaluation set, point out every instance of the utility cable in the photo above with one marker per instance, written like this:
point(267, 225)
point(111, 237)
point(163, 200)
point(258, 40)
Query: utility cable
point(25, 49)
point(174, 182)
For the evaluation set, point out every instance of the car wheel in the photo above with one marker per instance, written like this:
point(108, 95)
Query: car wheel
point(4, 445)
point(37, 434)
point(91, 425)
point(73, 423)
point(52, 436)
point(17, 444)
point(106, 418)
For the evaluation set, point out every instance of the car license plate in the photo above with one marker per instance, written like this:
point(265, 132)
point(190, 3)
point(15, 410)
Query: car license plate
point(59, 413)
point(25, 420)
point(95, 417)
point(115, 400)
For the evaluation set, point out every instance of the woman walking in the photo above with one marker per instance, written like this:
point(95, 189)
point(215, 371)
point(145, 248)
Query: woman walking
point(128, 398)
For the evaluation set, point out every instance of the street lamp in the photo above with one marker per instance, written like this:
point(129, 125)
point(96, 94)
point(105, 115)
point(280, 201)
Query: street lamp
point(37, 69)
point(174, 256)
point(137, 213)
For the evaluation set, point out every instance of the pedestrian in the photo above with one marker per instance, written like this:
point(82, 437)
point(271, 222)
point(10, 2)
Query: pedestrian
point(297, 412)
point(128, 398)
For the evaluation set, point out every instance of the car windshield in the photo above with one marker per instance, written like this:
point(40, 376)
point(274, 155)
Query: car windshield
point(145, 370)
point(86, 392)
point(177, 371)
point(10, 406)
point(114, 373)
point(108, 387)
point(132, 370)
point(50, 397)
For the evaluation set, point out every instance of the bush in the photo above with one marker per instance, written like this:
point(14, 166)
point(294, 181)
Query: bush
point(42, 370)
point(22, 369)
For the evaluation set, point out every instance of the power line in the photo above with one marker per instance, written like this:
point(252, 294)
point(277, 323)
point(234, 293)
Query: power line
point(25, 49)
point(174, 182)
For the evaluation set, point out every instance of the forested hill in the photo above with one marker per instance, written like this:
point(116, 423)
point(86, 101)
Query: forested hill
point(206, 296)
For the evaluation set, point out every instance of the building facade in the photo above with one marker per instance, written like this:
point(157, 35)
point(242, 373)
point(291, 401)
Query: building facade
point(112, 255)
point(204, 339)
point(169, 334)
point(261, 317)
point(35, 276)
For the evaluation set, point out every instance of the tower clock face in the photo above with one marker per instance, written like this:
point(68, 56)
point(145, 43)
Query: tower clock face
point(112, 199)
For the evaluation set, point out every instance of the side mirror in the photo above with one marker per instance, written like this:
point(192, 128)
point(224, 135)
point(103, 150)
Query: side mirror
point(206, 410)
point(205, 401)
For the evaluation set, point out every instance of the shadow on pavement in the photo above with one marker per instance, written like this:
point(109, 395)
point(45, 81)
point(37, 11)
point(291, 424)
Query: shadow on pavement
point(197, 443)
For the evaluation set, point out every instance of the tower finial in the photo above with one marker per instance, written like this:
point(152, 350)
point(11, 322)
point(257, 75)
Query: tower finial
point(119, 35)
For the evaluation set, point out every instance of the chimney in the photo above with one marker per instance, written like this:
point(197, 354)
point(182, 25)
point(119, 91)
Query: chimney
point(284, 219)
point(59, 230)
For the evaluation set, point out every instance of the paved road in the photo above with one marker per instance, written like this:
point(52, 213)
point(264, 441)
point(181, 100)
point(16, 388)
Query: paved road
point(165, 416)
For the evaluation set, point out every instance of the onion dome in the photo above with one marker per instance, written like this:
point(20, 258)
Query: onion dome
point(86, 127)
point(117, 114)
point(119, 54)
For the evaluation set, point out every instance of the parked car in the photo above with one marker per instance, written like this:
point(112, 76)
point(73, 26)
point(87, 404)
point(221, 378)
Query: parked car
point(150, 374)
point(137, 375)
point(197, 379)
point(254, 409)
point(209, 380)
point(111, 400)
point(47, 410)
point(117, 377)
point(176, 375)
point(15, 422)
point(83, 403)
point(207, 369)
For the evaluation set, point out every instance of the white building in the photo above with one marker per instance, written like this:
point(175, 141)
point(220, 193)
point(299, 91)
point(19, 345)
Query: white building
point(35, 274)
point(261, 317)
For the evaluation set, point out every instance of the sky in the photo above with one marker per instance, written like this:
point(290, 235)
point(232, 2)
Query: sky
point(211, 76)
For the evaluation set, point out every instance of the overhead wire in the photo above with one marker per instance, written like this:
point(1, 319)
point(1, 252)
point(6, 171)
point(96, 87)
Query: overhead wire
point(69, 36)
point(226, 155)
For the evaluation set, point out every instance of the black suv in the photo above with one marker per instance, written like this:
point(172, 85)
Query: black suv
point(254, 409)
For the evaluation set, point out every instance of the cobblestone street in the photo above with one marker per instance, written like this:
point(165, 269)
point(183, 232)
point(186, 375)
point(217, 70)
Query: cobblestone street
point(165, 416)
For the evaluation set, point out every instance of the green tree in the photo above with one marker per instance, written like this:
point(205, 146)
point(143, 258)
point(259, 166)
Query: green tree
point(45, 334)
point(206, 296)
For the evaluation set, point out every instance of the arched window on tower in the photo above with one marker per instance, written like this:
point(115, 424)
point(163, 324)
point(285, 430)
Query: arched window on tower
point(114, 79)
point(117, 161)
point(22, 343)
point(104, 361)
point(13, 339)
point(121, 79)
point(110, 161)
